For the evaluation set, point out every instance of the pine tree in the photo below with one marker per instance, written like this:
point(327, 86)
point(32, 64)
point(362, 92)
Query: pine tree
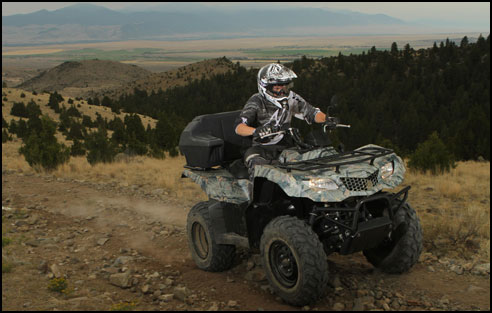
point(42, 150)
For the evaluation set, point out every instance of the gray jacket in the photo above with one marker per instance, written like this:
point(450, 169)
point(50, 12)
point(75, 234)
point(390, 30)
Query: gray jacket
point(258, 112)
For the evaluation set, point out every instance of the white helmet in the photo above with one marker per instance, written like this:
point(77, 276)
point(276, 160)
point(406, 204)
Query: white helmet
point(275, 74)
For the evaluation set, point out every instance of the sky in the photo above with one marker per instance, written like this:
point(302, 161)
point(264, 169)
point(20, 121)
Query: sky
point(472, 14)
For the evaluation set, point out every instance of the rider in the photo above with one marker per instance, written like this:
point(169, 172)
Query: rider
point(271, 110)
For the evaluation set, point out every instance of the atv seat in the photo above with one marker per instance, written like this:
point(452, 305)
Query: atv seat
point(210, 140)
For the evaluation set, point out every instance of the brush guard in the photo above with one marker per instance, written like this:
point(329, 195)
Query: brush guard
point(361, 235)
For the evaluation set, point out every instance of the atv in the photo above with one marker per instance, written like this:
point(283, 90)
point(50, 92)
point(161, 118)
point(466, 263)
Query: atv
point(313, 201)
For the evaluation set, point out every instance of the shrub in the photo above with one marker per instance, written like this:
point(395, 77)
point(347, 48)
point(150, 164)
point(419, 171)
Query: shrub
point(432, 155)
point(41, 149)
point(57, 285)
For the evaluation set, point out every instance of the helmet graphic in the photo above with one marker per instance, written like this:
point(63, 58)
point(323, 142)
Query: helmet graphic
point(275, 74)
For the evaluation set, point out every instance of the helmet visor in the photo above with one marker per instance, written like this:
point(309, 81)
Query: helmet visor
point(279, 90)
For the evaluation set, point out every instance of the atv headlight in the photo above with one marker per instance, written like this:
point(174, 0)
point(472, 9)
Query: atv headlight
point(387, 170)
point(322, 183)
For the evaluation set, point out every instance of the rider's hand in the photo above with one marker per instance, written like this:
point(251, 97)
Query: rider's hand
point(264, 130)
point(331, 122)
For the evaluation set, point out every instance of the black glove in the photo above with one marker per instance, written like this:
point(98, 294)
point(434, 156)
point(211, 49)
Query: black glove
point(331, 122)
point(264, 130)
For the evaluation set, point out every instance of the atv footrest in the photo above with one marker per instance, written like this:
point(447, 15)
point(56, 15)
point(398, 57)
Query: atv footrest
point(368, 235)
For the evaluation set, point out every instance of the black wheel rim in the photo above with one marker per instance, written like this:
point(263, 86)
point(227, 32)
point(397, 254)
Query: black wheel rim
point(283, 264)
point(200, 241)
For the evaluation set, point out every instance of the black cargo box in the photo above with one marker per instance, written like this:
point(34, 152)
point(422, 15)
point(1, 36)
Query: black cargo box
point(210, 140)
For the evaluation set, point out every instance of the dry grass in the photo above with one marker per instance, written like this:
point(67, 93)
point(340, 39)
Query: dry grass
point(454, 209)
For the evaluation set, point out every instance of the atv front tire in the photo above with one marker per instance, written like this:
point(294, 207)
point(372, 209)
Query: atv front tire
point(401, 251)
point(294, 261)
point(207, 254)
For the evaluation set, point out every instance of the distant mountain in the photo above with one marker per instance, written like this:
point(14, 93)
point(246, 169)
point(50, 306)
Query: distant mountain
point(84, 77)
point(87, 22)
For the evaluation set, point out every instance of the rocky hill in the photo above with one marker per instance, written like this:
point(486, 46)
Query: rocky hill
point(99, 78)
point(79, 78)
point(169, 79)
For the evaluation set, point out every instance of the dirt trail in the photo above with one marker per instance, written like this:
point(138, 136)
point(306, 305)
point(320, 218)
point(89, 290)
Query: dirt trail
point(85, 228)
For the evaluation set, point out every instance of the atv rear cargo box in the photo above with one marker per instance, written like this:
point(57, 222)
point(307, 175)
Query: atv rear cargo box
point(210, 140)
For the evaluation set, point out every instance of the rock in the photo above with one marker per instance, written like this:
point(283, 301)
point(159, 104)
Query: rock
point(158, 192)
point(256, 275)
point(468, 266)
point(102, 241)
point(168, 282)
point(481, 269)
point(339, 307)
point(146, 289)
point(457, 269)
point(214, 307)
point(232, 304)
point(335, 282)
point(122, 260)
point(122, 280)
point(167, 297)
point(474, 289)
point(33, 243)
point(56, 270)
point(181, 293)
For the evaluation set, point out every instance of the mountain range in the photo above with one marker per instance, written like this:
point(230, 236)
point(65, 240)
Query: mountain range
point(92, 23)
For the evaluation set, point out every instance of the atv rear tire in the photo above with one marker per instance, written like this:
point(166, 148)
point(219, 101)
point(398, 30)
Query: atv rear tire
point(207, 254)
point(294, 261)
point(401, 251)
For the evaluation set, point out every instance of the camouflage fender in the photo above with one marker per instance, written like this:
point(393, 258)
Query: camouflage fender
point(221, 185)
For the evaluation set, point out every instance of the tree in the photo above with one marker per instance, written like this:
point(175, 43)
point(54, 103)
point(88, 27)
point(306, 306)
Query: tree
point(100, 148)
point(77, 148)
point(42, 150)
point(432, 155)
point(19, 109)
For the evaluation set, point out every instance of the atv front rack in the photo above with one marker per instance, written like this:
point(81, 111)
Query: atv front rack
point(337, 160)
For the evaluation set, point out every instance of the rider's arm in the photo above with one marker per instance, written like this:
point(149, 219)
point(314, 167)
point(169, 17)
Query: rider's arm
point(320, 117)
point(244, 130)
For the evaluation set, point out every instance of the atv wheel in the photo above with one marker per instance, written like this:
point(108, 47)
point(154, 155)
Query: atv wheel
point(401, 251)
point(207, 254)
point(294, 260)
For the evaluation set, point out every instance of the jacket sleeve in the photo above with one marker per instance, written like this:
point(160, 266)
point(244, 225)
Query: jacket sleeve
point(303, 110)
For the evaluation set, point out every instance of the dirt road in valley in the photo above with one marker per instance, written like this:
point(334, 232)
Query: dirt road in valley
point(122, 246)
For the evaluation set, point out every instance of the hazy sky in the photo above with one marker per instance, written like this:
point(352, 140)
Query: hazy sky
point(463, 13)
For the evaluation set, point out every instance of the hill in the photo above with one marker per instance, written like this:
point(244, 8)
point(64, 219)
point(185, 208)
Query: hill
point(77, 78)
point(169, 79)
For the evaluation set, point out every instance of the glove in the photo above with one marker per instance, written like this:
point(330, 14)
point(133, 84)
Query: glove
point(331, 122)
point(265, 130)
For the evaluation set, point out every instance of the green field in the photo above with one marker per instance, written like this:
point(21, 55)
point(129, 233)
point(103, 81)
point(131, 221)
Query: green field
point(160, 55)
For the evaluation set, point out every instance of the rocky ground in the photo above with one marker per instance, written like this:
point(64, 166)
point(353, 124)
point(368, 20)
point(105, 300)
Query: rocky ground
point(125, 247)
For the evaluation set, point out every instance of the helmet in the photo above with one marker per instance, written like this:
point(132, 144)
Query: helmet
point(275, 74)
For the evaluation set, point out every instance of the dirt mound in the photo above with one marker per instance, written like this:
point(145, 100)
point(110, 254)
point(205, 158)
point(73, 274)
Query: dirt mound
point(169, 79)
point(77, 78)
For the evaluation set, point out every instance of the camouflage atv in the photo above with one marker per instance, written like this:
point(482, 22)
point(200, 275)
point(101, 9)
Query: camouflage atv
point(311, 202)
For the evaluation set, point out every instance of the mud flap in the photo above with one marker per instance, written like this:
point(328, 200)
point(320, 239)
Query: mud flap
point(227, 224)
point(369, 234)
